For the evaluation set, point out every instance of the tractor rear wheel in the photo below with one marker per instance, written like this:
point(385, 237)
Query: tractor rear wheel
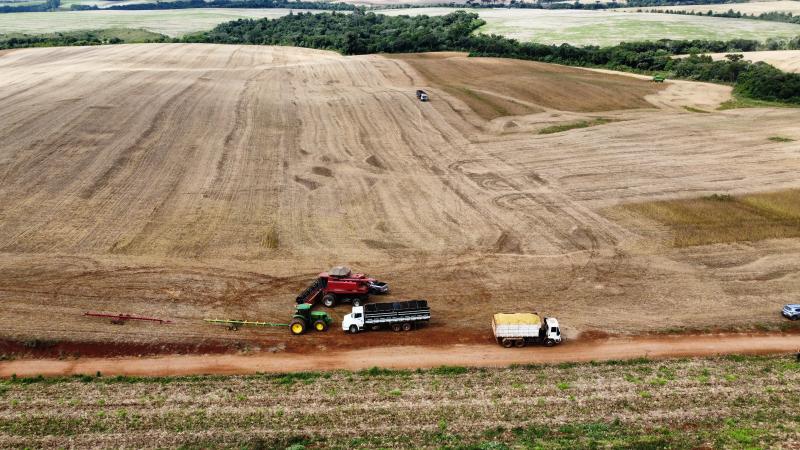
point(396, 327)
point(297, 326)
point(321, 325)
point(407, 326)
point(329, 300)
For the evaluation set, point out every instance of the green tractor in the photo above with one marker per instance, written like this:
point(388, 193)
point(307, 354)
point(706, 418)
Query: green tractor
point(304, 318)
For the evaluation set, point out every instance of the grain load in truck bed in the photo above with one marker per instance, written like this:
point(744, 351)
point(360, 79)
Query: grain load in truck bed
point(520, 329)
point(516, 325)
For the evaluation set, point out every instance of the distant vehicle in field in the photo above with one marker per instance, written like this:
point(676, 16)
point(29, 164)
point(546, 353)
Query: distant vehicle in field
point(520, 329)
point(340, 284)
point(658, 78)
point(791, 312)
point(400, 316)
point(422, 95)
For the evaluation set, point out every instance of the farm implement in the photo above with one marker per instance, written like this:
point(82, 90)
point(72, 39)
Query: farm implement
point(234, 324)
point(119, 319)
point(302, 320)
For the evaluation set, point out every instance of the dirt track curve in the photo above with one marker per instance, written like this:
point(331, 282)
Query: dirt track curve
point(412, 357)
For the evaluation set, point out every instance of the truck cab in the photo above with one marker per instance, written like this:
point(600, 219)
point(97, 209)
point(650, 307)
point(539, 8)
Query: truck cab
point(551, 331)
point(354, 322)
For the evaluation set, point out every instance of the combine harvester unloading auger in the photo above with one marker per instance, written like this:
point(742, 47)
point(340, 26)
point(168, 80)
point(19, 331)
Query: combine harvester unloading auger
point(340, 284)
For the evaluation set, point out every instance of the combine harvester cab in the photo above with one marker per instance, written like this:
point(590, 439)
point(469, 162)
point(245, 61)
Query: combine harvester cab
point(520, 329)
point(340, 284)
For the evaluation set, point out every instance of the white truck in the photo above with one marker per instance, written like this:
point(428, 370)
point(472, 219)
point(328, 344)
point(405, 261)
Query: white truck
point(519, 329)
point(400, 316)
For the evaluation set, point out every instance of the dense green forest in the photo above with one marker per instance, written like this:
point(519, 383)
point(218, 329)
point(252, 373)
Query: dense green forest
point(362, 33)
point(351, 34)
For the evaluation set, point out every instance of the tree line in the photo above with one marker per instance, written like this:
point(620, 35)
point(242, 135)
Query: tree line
point(75, 38)
point(365, 32)
point(49, 5)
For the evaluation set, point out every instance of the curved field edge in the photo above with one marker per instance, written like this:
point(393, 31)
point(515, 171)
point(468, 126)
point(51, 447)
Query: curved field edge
point(727, 402)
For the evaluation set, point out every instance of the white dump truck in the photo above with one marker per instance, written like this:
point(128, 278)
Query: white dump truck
point(399, 316)
point(520, 329)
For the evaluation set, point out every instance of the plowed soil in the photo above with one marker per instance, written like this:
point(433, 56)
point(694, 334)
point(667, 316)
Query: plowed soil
point(199, 181)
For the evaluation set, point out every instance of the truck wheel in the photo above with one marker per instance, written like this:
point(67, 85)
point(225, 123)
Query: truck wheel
point(353, 329)
point(297, 326)
point(549, 343)
point(396, 327)
point(519, 343)
point(356, 301)
point(329, 300)
point(795, 317)
point(407, 326)
point(507, 343)
point(320, 325)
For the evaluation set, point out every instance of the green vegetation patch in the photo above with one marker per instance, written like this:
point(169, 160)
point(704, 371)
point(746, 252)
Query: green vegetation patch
point(574, 125)
point(726, 218)
point(695, 110)
point(740, 101)
point(780, 139)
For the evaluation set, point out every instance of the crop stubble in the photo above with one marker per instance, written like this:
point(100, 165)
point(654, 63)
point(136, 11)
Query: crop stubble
point(192, 181)
point(724, 402)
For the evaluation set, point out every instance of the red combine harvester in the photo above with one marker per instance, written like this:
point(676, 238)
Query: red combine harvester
point(340, 284)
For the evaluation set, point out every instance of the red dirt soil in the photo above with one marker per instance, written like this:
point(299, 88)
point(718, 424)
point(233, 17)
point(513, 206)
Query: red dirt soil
point(409, 357)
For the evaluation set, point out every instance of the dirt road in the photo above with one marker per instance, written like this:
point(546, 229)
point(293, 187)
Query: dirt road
point(412, 357)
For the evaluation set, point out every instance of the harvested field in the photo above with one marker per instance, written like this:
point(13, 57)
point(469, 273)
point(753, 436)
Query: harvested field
point(787, 6)
point(723, 218)
point(544, 26)
point(173, 22)
point(735, 402)
point(496, 87)
point(194, 181)
point(609, 27)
